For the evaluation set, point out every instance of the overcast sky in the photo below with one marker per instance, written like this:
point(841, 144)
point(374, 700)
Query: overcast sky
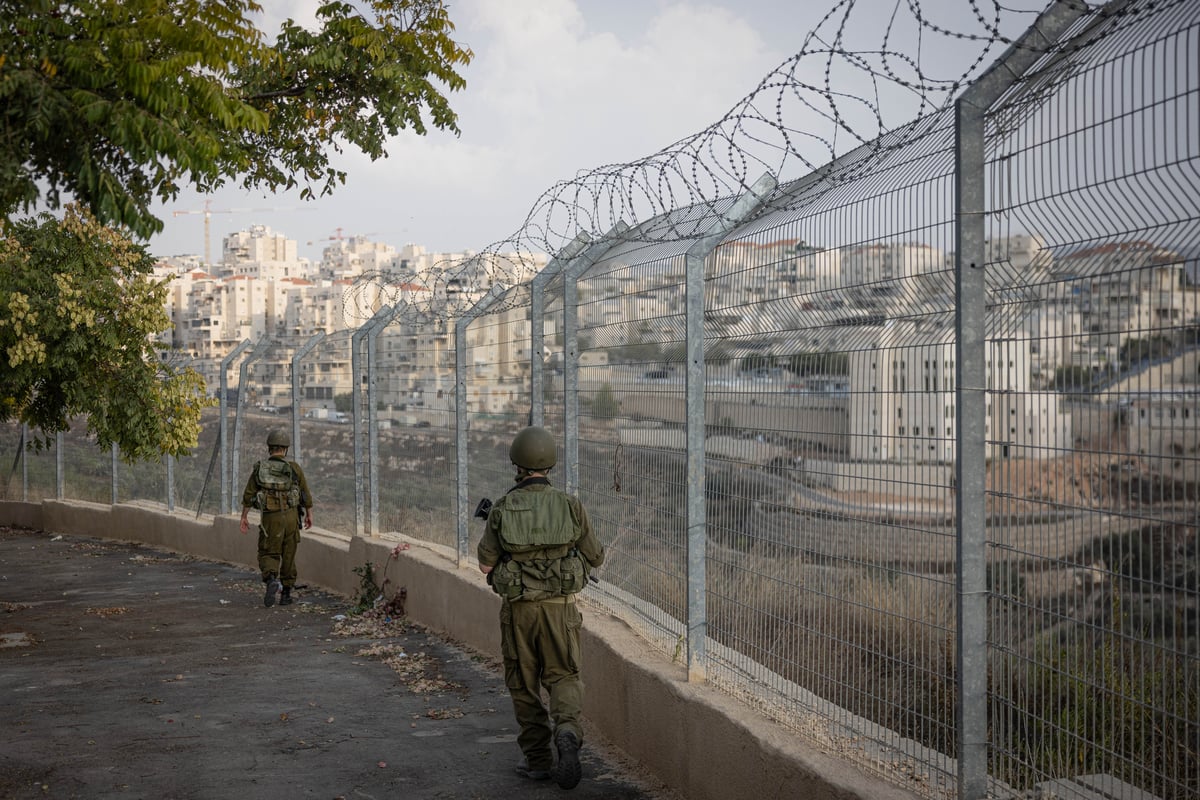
point(559, 87)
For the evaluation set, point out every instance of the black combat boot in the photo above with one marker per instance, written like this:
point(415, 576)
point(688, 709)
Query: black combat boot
point(567, 772)
point(273, 587)
point(285, 599)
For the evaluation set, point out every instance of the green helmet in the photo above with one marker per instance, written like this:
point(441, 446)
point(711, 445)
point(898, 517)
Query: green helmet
point(533, 448)
point(278, 438)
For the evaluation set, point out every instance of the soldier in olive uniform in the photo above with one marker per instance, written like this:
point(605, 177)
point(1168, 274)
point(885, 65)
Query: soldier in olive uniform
point(277, 488)
point(537, 551)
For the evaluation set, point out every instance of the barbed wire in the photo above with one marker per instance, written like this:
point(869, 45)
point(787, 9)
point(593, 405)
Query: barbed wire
point(855, 73)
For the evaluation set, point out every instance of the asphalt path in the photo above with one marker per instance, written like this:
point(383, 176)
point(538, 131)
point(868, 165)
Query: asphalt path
point(131, 672)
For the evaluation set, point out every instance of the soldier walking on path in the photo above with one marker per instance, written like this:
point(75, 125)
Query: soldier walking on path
point(537, 550)
point(278, 489)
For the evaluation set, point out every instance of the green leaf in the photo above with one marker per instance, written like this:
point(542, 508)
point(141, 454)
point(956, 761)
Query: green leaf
point(114, 102)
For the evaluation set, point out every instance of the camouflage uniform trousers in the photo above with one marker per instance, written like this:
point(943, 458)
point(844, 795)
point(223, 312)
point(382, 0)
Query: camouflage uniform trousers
point(539, 642)
point(278, 538)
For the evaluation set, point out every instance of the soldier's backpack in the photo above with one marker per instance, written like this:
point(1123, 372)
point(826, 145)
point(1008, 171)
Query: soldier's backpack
point(278, 488)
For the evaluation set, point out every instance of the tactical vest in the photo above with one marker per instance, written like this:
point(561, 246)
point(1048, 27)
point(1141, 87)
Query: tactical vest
point(538, 533)
point(278, 488)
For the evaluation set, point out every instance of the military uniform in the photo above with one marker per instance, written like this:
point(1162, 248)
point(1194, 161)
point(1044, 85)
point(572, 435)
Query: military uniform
point(281, 499)
point(540, 547)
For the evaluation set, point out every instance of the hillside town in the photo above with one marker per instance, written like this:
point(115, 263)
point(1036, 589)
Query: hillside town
point(851, 346)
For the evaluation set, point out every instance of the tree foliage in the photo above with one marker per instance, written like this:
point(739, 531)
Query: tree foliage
point(77, 310)
point(118, 104)
point(121, 102)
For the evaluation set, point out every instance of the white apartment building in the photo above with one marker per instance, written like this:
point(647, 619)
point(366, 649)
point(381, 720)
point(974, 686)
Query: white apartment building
point(261, 253)
point(1128, 290)
point(1055, 333)
point(772, 270)
point(875, 270)
point(1166, 425)
point(902, 399)
point(1018, 260)
point(264, 289)
point(349, 258)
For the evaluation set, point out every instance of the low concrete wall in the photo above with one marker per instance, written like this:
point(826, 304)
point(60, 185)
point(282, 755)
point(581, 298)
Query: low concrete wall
point(693, 738)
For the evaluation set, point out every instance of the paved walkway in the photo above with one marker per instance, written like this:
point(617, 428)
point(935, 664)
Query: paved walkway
point(129, 672)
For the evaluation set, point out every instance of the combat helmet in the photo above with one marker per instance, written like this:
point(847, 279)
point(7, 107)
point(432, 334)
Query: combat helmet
point(533, 449)
point(278, 438)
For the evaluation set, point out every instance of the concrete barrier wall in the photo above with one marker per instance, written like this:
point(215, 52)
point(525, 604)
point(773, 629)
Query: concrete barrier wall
point(693, 738)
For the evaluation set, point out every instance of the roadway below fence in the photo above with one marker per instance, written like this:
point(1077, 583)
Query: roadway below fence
point(697, 740)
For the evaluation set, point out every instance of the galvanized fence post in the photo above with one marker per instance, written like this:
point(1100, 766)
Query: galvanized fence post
point(299, 355)
point(60, 468)
point(381, 321)
point(115, 459)
point(970, 354)
point(460, 414)
point(170, 483)
point(537, 327)
point(24, 463)
point(697, 254)
point(356, 379)
point(223, 429)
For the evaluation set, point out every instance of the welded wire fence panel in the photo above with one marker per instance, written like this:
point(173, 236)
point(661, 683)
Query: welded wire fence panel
point(31, 473)
point(42, 472)
point(13, 475)
point(1094, 481)
point(142, 481)
point(326, 433)
point(631, 423)
point(415, 376)
point(829, 451)
point(198, 475)
point(631, 418)
point(87, 469)
point(553, 360)
point(497, 381)
point(253, 412)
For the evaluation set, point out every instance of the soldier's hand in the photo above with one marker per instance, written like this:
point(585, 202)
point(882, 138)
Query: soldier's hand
point(245, 526)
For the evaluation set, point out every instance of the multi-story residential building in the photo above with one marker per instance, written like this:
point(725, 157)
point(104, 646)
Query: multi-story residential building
point(887, 270)
point(348, 258)
point(265, 290)
point(1018, 260)
point(261, 253)
point(1128, 290)
point(1055, 336)
point(902, 398)
point(1166, 425)
point(772, 270)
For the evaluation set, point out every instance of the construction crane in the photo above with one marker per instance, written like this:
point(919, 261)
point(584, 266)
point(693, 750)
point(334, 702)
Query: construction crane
point(208, 211)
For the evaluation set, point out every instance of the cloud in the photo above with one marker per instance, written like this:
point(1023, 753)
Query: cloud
point(547, 82)
point(551, 94)
point(561, 87)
